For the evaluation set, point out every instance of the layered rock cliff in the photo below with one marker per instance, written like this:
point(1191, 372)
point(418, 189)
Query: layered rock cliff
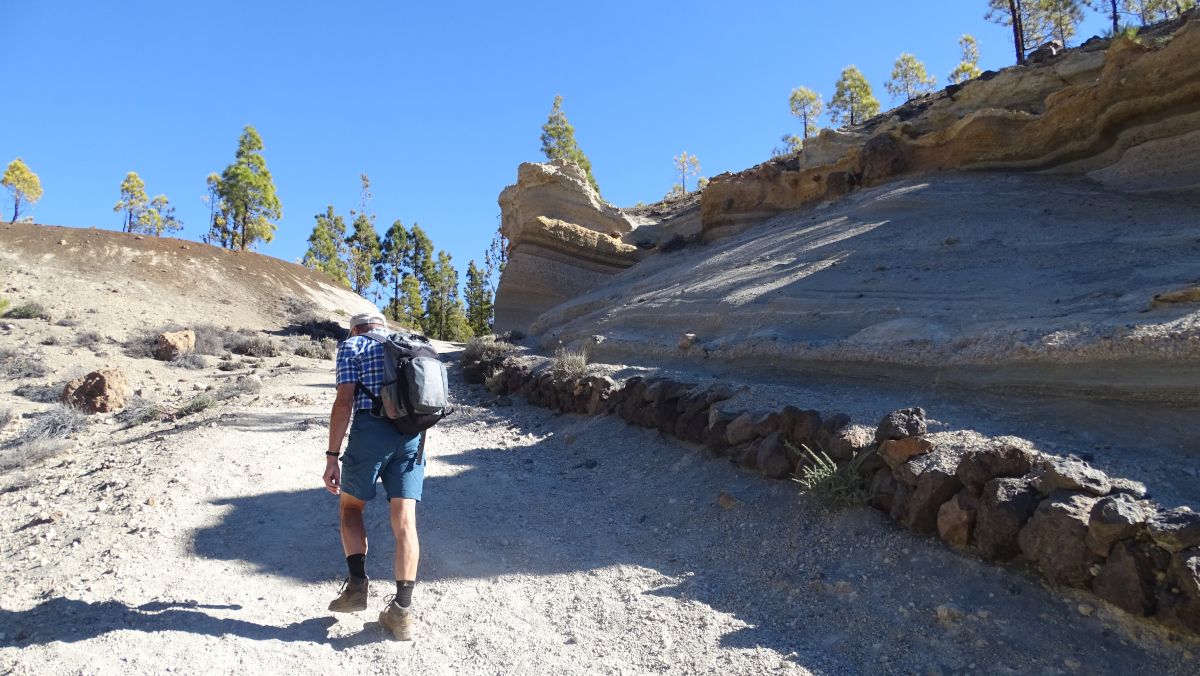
point(1013, 231)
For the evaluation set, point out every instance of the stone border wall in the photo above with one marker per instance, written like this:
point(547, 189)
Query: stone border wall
point(1069, 521)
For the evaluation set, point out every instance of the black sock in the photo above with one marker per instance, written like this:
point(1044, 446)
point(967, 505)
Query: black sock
point(404, 590)
point(357, 564)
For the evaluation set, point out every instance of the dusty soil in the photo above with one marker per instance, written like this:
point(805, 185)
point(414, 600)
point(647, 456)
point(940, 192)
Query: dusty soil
point(551, 544)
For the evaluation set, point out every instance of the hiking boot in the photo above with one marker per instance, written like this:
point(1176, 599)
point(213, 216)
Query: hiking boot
point(397, 620)
point(353, 596)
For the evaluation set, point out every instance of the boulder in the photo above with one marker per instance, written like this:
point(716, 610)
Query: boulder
point(599, 390)
point(774, 460)
point(979, 466)
point(740, 430)
point(906, 422)
point(900, 498)
point(1072, 474)
point(883, 157)
point(801, 427)
point(1004, 507)
point(850, 441)
point(1114, 518)
point(1179, 597)
point(829, 429)
point(714, 434)
point(767, 424)
point(686, 341)
point(102, 391)
point(881, 489)
point(896, 452)
point(1055, 539)
point(174, 344)
point(956, 519)
point(1127, 578)
point(1129, 487)
point(1175, 529)
point(935, 483)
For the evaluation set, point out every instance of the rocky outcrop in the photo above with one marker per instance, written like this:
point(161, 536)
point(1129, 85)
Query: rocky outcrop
point(174, 344)
point(102, 391)
point(1125, 114)
point(563, 241)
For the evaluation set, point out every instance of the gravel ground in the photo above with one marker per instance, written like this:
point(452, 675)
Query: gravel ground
point(551, 544)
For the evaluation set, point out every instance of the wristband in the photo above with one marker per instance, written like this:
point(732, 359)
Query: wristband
point(335, 454)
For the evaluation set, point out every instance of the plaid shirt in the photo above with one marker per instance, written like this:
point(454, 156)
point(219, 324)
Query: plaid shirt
point(360, 360)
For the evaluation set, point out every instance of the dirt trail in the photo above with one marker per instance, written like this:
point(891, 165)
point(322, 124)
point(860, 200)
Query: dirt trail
point(551, 544)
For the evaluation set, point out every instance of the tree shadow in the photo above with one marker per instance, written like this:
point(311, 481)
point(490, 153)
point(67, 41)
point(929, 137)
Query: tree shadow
point(72, 620)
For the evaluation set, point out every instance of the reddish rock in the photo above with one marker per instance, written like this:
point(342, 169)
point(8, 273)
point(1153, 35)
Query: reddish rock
point(956, 519)
point(897, 452)
point(1004, 507)
point(979, 466)
point(174, 344)
point(102, 391)
point(1127, 579)
point(1114, 518)
point(1055, 539)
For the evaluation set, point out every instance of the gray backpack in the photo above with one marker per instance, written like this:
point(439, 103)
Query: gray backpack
point(415, 394)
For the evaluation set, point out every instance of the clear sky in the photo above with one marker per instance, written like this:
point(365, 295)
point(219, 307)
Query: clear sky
point(437, 102)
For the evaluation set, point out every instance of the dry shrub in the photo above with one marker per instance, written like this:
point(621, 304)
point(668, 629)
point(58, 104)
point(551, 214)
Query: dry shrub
point(29, 452)
point(23, 363)
point(313, 349)
point(43, 394)
point(140, 411)
point(836, 485)
point(6, 416)
point(196, 404)
point(485, 348)
point(569, 364)
point(191, 361)
point(28, 311)
point(58, 421)
point(243, 385)
point(254, 345)
point(88, 338)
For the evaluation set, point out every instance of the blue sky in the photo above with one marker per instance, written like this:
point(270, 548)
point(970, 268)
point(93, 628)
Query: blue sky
point(437, 102)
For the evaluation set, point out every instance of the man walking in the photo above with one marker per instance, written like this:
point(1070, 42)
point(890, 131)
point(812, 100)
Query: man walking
point(376, 450)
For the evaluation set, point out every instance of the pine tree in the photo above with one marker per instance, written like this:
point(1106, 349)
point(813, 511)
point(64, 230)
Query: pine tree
point(1150, 11)
point(909, 79)
point(248, 192)
point(968, 68)
point(327, 247)
point(363, 244)
point(479, 300)
point(806, 105)
point(393, 262)
point(1027, 20)
point(420, 259)
point(558, 142)
point(1062, 16)
point(218, 220)
point(160, 217)
point(443, 296)
point(23, 185)
point(686, 165)
point(852, 101)
point(408, 308)
point(458, 328)
point(133, 202)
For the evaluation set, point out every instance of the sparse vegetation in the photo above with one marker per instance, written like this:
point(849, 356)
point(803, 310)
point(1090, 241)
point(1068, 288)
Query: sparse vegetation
point(67, 321)
point(88, 338)
point(50, 340)
point(43, 394)
point(3, 305)
point(196, 404)
point(834, 484)
point(6, 416)
point(59, 421)
point(569, 364)
point(494, 381)
point(243, 385)
point(254, 345)
point(229, 366)
point(23, 363)
point(30, 451)
point(140, 411)
point(28, 311)
point(313, 349)
point(485, 348)
point(191, 361)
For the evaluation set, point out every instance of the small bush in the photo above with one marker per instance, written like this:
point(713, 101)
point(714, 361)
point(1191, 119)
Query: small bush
point(255, 345)
point(28, 311)
point(229, 366)
point(485, 348)
point(243, 385)
point(67, 321)
point(836, 485)
point(213, 340)
point(88, 338)
point(29, 452)
point(57, 422)
point(312, 349)
point(43, 394)
point(140, 411)
point(494, 381)
point(569, 364)
point(188, 361)
point(196, 404)
point(23, 364)
point(3, 305)
point(50, 340)
point(6, 416)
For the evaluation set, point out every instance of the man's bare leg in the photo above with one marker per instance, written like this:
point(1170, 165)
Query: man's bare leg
point(408, 547)
point(354, 531)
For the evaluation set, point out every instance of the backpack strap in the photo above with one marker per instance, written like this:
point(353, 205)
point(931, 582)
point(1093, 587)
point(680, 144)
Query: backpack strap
point(421, 448)
point(358, 386)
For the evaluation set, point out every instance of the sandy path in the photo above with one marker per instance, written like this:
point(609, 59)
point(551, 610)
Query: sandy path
point(552, 544)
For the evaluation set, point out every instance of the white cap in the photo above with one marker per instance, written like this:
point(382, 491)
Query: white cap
point(367, 318)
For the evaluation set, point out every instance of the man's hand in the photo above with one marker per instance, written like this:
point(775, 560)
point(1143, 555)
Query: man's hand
point(333, 476)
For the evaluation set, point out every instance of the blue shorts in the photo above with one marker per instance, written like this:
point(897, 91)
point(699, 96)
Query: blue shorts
point(377, 451)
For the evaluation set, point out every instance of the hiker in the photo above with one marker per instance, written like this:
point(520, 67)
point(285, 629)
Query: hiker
point(376, 450)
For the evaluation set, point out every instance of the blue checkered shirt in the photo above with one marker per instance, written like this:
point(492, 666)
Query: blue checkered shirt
point(360, 360)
